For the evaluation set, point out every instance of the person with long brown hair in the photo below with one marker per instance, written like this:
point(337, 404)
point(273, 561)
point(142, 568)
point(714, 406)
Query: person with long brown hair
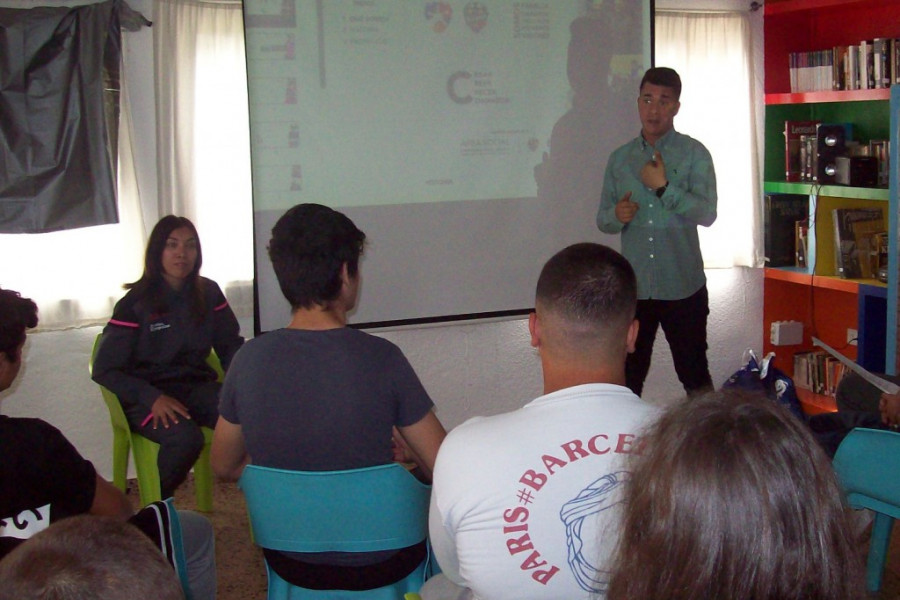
point(154, 349)
point(733, 498)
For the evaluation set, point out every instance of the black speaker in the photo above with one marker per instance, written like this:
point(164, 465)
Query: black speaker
point(831, 142)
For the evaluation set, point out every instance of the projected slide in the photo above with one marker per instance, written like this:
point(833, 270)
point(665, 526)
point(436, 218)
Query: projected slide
point(364, 104)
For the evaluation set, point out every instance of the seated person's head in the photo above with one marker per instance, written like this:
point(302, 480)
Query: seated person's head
point(154, 267)
point(16, 315)
point(585, 303)
point(732, 497)
point(313, 249)
point(85, 556)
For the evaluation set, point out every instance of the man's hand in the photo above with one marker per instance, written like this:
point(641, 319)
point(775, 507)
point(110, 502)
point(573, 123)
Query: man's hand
point(889, 406)
point(625, 208)
point(166, 409)
point(653, 174)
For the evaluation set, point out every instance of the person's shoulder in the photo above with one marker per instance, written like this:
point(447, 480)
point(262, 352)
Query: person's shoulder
point(686, 141)
point(210, 288)
point(18, 428)
point(373, 342)
point(133, 297)
point(626, 147)
point(482, 427)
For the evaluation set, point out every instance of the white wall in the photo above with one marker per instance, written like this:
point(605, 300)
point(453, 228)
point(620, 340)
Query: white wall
point(469, 369)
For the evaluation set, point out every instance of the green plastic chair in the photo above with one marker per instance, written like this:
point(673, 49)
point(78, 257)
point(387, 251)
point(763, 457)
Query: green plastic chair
point(357, 510)
point(868, 465)
point(146, 451)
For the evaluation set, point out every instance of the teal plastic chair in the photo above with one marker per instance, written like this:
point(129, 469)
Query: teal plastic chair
point(358, 510)
point(146, 451)
point(868, 465)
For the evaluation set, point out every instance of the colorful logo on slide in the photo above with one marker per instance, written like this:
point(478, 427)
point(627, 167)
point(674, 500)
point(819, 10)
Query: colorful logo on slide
point(439, 15)
point(476, 15)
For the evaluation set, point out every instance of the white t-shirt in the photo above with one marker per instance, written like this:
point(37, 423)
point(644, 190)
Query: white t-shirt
point(524, 504)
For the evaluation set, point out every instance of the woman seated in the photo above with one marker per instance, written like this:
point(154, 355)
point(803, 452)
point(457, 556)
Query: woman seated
point(733, 498)
point(154, 349)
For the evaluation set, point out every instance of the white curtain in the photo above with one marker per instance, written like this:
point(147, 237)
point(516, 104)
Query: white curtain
point(76, 276)
point(712, 53)
point(203, 134)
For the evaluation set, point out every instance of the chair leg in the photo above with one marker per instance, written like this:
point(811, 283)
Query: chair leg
point(203, 481)
point(878, 547)
point(145, 456)
point(121, 447)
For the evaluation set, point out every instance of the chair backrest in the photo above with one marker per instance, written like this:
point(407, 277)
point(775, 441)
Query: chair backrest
point(116, 414)
point(358, 510)
point(868, 465)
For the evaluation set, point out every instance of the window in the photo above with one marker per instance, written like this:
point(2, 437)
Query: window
point(712, 54)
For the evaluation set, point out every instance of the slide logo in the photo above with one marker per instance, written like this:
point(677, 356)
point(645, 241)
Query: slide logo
point(476, 15)
point(466, 87)
point(439, 15)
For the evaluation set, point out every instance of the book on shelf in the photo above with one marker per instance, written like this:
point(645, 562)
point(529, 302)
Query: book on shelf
point(866, 66)
point(894, 59)
point(794, 163)
point(880, 149)
point(852, 68)
point(855, 241)
point(781, 214)
point(869, 64)
point(801, 233)
point(818, 372)
point(880, 63)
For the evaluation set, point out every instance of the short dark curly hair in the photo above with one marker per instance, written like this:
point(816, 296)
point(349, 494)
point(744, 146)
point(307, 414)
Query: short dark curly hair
point(664, 76)
point(16, 315)
point(309, 246)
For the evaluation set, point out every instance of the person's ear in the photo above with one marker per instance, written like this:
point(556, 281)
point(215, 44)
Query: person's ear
point(8, 371)
point(534, 329)
point(631, 336)
point(677, 108)
point(345, 274)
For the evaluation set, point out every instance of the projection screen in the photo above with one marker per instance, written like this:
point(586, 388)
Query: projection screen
point(466, 139)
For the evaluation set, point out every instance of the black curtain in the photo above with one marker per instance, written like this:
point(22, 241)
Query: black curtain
point(59, 90)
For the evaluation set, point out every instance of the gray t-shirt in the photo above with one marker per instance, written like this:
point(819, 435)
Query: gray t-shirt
point(321, 400)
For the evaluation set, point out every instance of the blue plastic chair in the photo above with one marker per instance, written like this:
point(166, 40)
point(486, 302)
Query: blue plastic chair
point(358, 510)
point(868, 465)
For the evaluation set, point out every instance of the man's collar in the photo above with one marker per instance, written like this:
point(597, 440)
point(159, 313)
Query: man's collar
point(659, 143)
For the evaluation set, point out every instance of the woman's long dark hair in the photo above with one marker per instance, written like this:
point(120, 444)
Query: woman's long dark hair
point(733, 498)
point(152, 286)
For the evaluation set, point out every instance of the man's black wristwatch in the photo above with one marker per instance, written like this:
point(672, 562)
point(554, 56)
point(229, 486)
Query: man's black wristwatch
point(661, 190)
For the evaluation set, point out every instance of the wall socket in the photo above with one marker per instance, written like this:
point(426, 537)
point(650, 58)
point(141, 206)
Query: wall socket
point(852, 336)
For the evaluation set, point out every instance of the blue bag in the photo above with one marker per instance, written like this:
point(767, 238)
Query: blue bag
point(765, 377)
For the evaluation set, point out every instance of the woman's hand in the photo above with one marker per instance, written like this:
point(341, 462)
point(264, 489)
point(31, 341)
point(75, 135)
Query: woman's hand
point(166, 409)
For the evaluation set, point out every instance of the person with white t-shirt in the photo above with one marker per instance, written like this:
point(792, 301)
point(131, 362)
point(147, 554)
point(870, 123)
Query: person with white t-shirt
point(525, 504)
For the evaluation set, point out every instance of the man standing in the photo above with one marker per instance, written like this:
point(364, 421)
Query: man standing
point(524, 503)
point(656, 190)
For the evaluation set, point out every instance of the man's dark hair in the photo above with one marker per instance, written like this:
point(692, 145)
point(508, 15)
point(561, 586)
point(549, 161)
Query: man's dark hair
point(663, 76)
point(592, 287)
point(16, 315)
point(309, 246)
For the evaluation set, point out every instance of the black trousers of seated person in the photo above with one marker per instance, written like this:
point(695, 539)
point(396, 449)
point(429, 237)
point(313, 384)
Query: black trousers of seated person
point(179, 444)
